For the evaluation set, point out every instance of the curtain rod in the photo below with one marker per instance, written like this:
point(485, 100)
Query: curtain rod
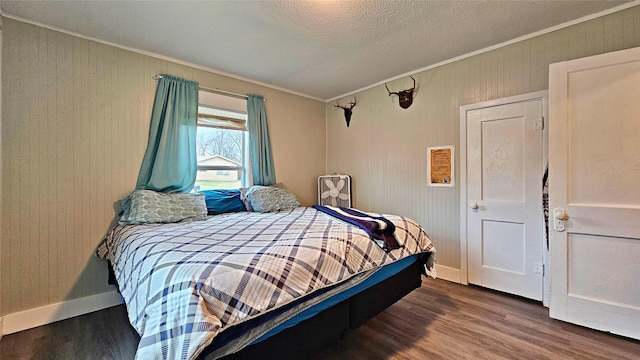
point(242, 96)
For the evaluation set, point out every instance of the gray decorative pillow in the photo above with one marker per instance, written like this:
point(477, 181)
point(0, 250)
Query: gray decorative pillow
point(146, 207)
point(245, 201)
point(268, 198)
point(243, 198)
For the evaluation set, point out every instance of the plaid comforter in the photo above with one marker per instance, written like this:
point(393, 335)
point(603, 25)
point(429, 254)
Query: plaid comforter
point(184, 283)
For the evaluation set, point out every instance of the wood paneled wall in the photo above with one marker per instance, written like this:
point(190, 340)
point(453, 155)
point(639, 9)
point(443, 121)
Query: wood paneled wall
point(384, 149)
point(1, 41)
point(75, 123)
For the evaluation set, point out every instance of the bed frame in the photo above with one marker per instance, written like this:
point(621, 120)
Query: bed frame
point(313, 335)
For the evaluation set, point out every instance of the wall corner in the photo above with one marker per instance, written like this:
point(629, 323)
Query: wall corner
point(1, 172)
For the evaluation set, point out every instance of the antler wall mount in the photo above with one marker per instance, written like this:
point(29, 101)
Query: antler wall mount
point(405, 97)
point(347, 110)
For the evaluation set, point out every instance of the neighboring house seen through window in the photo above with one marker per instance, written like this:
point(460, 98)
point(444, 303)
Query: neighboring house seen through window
point(221, 142)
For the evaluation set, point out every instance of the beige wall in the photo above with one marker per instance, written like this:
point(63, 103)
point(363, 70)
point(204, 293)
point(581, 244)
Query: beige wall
point(1, 171)
point(74, 130)
point(384, 149)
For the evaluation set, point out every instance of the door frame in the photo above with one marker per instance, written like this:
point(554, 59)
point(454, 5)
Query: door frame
point(538, 95)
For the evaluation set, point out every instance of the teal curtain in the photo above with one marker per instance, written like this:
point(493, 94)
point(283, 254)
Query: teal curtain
point(260, 146)
point(169, 164)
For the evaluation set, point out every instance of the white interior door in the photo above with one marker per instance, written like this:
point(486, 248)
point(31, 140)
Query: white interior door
point(504, 198)
point(594, 176)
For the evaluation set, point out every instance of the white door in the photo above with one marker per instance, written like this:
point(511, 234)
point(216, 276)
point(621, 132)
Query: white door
point(504, 197)
point(594, 176)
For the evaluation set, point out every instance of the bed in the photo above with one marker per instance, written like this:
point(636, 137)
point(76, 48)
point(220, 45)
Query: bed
point(241, 284)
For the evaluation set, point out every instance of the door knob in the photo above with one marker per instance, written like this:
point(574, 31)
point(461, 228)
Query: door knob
point(559, 214)
point(474, 206)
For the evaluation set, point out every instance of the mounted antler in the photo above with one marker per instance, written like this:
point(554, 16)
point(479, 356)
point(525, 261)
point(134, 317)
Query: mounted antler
point(347, 109)
point(405, 97)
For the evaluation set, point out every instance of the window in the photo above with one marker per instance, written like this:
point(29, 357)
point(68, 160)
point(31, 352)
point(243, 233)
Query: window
point(221, 142)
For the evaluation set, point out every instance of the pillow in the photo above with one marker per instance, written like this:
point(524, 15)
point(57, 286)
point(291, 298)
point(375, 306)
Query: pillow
point(125, 206)
point(223, 201)
point(243, 198)
point(245, 201)
point(146, 207)
point(268, 198)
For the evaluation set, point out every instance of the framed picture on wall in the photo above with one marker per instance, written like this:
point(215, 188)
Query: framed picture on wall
point(440, 171)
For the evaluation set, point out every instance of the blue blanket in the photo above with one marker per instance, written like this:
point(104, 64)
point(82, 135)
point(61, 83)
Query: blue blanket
point(380, 229)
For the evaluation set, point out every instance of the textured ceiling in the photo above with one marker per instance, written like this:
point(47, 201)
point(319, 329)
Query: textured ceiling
point(322, 49)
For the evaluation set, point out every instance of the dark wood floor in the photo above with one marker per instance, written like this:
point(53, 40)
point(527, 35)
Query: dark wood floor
point(441, 320)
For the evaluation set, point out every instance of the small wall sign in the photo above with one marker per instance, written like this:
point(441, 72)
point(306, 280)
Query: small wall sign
point(440, 171)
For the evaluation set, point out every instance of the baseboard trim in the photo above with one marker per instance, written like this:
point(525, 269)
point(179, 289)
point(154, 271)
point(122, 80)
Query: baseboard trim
point(48, 314)
point(448, 273)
